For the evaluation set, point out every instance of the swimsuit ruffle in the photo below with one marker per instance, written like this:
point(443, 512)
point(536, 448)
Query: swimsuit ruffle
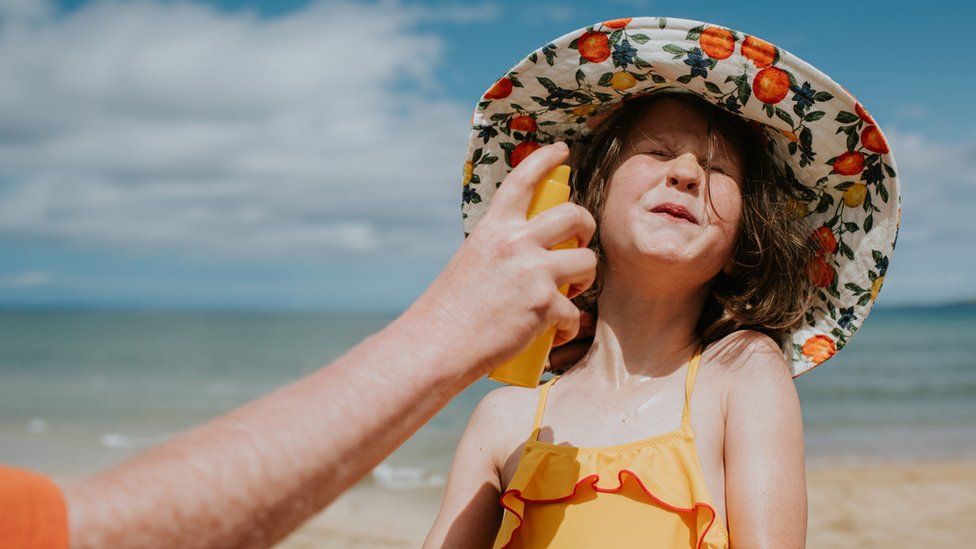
point(674, 483)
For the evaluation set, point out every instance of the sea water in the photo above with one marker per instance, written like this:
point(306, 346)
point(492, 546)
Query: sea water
point(82, 390)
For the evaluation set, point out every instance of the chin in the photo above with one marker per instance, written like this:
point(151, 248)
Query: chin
point(664, 249)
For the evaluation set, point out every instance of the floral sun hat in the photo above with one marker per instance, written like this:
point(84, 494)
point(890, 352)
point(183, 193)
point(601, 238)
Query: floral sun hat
point(814, 128)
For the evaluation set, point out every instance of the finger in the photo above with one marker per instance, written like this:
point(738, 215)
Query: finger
point(587, 325)
point(560, 223)
point(514, 195)
point(576, 289)
point(587, 328)
point(575, 266)
point(567, 320)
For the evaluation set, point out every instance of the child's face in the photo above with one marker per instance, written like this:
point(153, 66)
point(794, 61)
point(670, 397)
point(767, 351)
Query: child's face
point(662, 161)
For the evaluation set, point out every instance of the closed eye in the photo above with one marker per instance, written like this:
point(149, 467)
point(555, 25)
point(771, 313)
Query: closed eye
point(666, 154)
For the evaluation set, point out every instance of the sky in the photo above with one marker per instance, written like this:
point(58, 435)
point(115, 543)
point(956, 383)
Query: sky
point(299, 155)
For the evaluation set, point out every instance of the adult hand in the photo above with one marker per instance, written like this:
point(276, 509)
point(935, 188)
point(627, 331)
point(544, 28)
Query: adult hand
point(500, 290)
point(564, 354)
point(250, 476)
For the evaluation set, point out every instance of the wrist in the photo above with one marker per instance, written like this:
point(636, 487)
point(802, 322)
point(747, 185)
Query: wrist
point(440, 354)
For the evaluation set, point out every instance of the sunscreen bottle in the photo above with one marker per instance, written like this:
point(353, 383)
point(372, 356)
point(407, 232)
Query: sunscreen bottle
point(525, 369)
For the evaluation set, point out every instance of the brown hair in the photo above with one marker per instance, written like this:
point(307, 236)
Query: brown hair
point(770, 290)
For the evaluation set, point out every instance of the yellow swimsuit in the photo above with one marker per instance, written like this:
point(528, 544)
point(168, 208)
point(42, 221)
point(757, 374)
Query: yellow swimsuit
point(646, 493)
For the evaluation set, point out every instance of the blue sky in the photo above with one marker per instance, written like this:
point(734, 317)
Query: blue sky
point(306, 155)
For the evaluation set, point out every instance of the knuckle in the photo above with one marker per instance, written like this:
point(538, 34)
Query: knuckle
point(503, 248)
point(568, 313)
point(533, 267)
point(540, 301)
point(507, 244)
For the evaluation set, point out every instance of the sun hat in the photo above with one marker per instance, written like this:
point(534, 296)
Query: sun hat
point(816, 130)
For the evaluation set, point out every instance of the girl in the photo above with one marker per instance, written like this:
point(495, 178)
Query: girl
point(681, 426)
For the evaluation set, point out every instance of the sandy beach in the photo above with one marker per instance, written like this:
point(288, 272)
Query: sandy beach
point(894, 505)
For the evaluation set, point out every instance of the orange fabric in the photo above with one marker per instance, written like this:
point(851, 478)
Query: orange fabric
point(33, 513)
point(649, 492)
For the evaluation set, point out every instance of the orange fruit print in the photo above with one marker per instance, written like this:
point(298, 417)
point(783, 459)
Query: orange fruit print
point(521, 151)
point(523, 123)
point(849, 163)
point(824, 238)
point(820, 272)
point(717, 42)
point(819, 348)
point(501, 89)
point(771, 85)
point(863, 114)
point(617, 23)
point(873, 140)
point(594, 47)
point(761, 53)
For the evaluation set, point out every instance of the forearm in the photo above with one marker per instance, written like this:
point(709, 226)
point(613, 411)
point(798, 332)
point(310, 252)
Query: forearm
point(249, 477)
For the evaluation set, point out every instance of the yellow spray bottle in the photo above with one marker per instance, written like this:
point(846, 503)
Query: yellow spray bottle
point(525, 369)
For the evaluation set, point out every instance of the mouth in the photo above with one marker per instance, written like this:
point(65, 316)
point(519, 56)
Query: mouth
point(676, 211)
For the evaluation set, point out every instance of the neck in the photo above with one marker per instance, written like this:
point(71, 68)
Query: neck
point(640, 336)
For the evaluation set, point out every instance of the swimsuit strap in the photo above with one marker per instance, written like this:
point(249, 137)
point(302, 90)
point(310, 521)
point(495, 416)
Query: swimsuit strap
point(685, 413)
point(689, 383)
point(543, 395)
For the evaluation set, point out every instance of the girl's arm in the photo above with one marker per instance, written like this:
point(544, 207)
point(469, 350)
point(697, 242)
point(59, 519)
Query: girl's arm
point(470, 514)
point(765, 477)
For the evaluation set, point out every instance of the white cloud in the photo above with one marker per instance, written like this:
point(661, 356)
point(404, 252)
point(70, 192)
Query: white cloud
point(25, 280)
point(933, 257)
point(938, 186)
point(174, 126)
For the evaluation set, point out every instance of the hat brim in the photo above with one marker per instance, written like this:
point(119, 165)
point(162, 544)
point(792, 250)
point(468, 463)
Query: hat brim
point(817, 131)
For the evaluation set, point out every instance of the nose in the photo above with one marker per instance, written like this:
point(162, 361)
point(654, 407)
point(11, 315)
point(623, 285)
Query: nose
point(685, 173)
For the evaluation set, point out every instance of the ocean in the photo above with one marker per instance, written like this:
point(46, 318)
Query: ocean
point(81, 390)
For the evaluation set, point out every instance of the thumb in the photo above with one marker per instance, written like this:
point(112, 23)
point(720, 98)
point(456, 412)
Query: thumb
point(514, 195)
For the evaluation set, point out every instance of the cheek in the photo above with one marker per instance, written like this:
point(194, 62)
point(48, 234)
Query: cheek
point(625, 187)
point(630, 180)
point(726, 198)
point(725, 208)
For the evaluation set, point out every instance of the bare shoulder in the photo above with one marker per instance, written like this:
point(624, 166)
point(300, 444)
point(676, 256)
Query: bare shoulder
point(508, 403)
point(503, 419)
point(748, 362)
point(748, 352)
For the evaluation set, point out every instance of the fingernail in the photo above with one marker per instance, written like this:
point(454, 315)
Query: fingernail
point(562, 145)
